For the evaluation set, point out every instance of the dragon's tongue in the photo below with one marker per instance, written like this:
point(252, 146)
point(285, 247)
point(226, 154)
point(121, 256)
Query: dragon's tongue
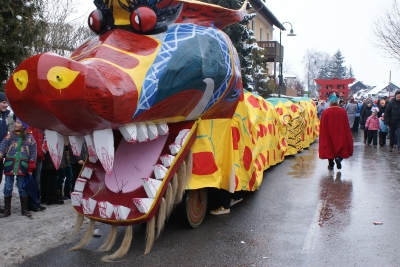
point(133, 162)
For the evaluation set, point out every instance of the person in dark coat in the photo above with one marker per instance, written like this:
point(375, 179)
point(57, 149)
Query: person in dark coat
point(335, 138)
point(392, 119)
point(364, 115)
point(4, 112)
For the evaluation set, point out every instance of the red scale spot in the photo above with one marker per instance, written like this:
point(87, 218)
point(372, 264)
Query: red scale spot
point(259, 167)
point(265, 105)
point(294, 108)
point(253, 101)
point(204, 163)
point(247, 158)
point(262, 159)
point(279, 111)
point(235, 137)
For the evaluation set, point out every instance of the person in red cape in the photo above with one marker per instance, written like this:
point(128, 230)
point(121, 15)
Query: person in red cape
point(335, 139)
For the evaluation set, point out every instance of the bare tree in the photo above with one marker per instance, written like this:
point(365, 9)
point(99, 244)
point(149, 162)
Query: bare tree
point(63, 30)
point(313, 62)
point(387, 31)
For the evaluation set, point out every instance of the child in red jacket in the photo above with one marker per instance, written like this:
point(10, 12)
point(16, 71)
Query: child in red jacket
point(373, 126)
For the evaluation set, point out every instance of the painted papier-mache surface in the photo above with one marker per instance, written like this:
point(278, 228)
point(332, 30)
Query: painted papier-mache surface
point(157, 96)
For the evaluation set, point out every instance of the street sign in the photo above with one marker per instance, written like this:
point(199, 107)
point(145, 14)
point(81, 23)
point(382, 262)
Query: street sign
point(306, 92)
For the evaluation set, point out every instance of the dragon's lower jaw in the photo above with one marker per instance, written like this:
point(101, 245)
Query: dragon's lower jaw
point(131, 190)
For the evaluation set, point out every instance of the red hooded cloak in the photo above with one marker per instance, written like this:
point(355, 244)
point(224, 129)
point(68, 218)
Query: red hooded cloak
point(335, 139)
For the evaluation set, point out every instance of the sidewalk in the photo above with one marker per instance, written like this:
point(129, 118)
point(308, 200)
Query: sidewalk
point(22, 237)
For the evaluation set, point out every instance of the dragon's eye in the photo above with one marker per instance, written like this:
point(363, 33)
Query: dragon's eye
point(97, 22)
point(143, 19)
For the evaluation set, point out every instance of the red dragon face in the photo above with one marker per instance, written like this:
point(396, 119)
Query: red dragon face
point(134, 99)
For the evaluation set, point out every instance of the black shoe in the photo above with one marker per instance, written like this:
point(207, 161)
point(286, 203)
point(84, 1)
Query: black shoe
point(338, 162)
point(331, 164)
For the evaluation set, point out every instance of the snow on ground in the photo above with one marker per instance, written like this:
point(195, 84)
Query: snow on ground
point(22, 237)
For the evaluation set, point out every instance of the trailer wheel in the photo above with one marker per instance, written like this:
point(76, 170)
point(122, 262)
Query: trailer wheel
point(196, 206)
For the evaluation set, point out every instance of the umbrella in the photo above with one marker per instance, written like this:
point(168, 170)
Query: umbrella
point(29, 186)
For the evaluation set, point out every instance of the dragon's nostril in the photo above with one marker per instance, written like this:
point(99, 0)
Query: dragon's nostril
point(61, 77)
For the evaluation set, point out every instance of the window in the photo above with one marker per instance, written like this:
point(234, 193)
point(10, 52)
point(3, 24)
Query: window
point(261, 35)
point(267, 36)
point(253, 24)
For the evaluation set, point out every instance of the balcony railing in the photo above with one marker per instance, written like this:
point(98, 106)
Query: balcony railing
point(272, 50)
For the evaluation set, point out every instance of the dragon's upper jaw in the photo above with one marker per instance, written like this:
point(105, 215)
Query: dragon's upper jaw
point(55, 93)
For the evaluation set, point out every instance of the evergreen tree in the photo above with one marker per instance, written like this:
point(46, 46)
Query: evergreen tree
point(337, 68)
point(243, 40)
point(350, 73)
point(19, 30)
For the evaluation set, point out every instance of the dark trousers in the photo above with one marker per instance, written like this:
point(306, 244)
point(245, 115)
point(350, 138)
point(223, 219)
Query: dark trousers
point(382, 138)
point(373, 137)
point(1, 170)
point(394, 136)
point(365, 134)
point(49, 186)
point(76, 170)
point(356, 124)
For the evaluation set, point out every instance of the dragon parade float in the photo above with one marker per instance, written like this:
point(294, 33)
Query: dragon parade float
point(157, 96)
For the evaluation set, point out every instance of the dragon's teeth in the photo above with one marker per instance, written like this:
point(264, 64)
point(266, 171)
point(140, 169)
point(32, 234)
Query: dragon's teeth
point(162, 129)
point(159, 171)
point(55, 143)
point(87, 172)
point(88, 205)
point(129, 132)
point(142, 133)
point(167, 160)
point(104, 144)
point(91, 148)
point(106, 209)
point(76, 144)
point(151, 186)
point(152, 131)
point(80, 184)
point(121, 212)
point(174, 148)
point(76, 198)
point(182, 136)
point(143, 204)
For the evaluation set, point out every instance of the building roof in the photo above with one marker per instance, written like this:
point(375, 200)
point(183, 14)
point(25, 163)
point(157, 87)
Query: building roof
point(260, 7)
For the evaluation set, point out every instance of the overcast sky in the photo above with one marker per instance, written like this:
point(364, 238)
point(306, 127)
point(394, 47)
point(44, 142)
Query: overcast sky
point(329, 25)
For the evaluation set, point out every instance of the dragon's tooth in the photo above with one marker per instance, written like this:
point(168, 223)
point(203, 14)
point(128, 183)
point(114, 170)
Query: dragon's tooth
point(121, 212)
point(152, 131)
point(104, 144)
point(174, 148)
point(91, 148)
point(142, 134)
point(182, 136)
point(76, 198)
point(143, 204)
point(76, 144)
point(88, 205)
point(162, 129)
point(129, 132)
point(106, 209)
point(159, 171)
point(55, 144)
point(87, 172)
point(167, 160)
point(80, 184)
point(151, 186)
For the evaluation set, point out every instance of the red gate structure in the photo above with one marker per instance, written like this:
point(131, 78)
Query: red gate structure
point(341, 85)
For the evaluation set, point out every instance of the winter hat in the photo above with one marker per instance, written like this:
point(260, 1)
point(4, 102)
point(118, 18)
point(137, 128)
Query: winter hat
point(374, 110)
point(2, 97)
point(23, 123)
point(397, 92)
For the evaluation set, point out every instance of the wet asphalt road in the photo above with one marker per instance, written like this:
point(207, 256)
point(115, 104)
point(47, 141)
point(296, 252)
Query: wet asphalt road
point(303, 215)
